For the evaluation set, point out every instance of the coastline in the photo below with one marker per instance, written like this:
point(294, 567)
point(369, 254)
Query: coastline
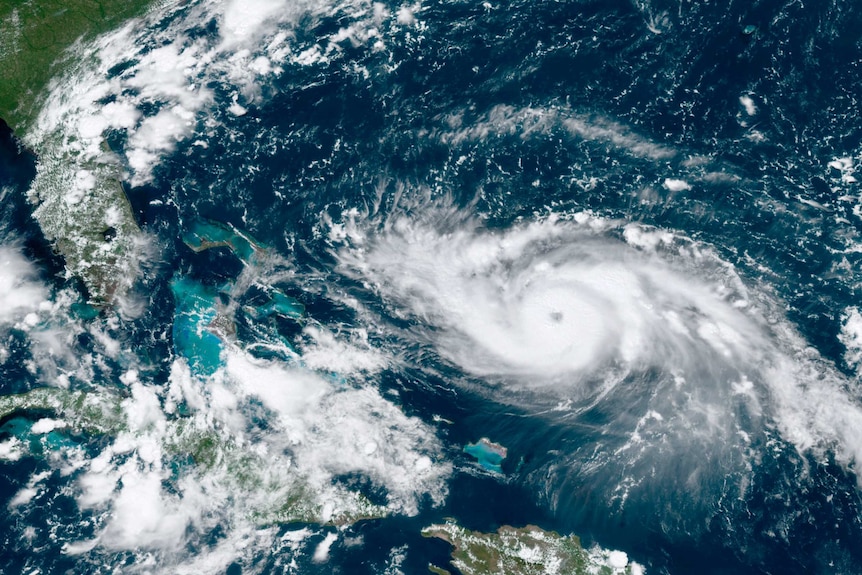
point(6, 127)
point(95, 239)
point(35, 42)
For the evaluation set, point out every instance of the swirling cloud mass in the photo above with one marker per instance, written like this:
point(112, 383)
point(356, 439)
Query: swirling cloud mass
point(591, 311)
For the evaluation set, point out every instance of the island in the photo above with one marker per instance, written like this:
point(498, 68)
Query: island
point(288, 498)
point(82, 412)
point(526, 550)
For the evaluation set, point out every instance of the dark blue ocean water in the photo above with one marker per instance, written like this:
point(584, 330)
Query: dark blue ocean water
point(662, 103)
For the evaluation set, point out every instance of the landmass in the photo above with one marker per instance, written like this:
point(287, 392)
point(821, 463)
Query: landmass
point(78, 199)
point(83, 211)
point(203, 322)
point(81, 411)
point(288, 497)
point(204, 235)
point(33, 38)
point(526, 550)
point(202, 327)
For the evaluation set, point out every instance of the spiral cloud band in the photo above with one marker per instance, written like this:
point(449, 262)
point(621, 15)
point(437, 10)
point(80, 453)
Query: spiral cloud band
point(582, 308)
point(558, 297)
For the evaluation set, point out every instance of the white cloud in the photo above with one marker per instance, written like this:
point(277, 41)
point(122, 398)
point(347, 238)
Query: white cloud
point(676, 185)
point(564, 310)
point(851, 337)
point(21, 292)
point(749, 105)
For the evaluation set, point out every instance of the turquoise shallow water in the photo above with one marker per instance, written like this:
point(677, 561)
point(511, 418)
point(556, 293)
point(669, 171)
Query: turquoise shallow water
point(196, 310)
point(489, 455)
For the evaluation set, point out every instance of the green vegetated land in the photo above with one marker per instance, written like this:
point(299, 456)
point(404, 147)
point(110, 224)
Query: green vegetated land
point(525, 551)
point(33, 36)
